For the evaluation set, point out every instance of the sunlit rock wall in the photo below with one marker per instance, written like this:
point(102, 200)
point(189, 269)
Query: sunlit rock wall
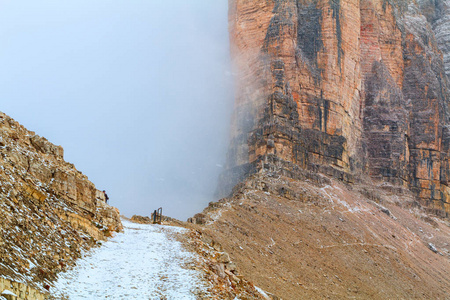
point(343, 87)
point(298, 86)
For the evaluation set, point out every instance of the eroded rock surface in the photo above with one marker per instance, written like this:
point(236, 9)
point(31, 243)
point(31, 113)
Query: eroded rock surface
point(49, 211)
point(347, 88)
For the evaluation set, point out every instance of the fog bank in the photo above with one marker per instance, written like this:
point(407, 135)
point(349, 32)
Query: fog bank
point(138, 93)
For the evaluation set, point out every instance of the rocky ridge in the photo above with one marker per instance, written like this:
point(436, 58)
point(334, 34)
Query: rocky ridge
point(346, 88)
point(50, 211)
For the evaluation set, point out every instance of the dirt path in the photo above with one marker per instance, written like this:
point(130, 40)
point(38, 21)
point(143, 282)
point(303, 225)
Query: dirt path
point(144, 262)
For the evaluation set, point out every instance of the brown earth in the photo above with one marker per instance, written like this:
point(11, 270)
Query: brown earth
point(320, 238)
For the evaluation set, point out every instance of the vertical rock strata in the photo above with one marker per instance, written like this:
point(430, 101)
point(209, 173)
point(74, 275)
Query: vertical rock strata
point(344, 87)
point(49, 211)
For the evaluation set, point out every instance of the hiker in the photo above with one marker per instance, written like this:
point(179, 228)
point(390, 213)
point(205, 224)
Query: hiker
point(106, 197)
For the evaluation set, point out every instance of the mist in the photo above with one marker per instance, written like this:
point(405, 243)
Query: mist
point(138, 93)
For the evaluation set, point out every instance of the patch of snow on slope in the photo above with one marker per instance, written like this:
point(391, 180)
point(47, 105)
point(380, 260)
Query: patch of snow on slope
point(334, 198)
point(144, 262)
point(261, 291)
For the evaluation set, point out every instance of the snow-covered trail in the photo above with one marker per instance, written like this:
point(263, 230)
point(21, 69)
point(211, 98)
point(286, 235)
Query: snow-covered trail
point(144, 262)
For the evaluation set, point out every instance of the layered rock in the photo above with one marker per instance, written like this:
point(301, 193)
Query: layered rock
point(300, 95)
point(406, 101)
point(438, 15)
point(347, 88)
point(50, 211)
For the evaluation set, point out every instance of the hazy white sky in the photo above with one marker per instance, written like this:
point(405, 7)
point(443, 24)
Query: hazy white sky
point(138, 93)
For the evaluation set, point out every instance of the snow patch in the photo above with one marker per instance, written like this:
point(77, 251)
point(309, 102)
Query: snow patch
point(338, 200)
point(9, 293)
point(144, 262)
point(264, 294)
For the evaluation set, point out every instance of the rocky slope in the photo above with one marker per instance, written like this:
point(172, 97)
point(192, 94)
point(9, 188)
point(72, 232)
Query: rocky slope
point(346, 88)
point(49, 211)
point(318, 238)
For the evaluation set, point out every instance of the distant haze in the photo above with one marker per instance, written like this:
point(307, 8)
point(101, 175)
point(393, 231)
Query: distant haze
point(138, 93)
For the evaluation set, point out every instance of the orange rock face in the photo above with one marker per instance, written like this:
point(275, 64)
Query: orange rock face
point(346, 88)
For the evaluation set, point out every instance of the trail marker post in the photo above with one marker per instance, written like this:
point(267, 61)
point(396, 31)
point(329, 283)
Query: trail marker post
point(157, 216)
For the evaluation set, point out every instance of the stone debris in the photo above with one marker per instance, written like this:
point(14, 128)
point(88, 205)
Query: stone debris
point(432, 248)
point(343, 245)
point(49, 211)
point(225, 280)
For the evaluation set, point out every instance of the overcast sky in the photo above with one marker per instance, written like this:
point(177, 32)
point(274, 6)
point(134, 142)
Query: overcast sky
point(138, 92)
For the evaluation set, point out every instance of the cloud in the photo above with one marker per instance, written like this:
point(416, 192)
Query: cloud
point(135, 91)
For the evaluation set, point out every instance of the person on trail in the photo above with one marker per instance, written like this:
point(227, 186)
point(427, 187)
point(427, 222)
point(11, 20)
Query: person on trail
point(106, 197)
point(154, 217)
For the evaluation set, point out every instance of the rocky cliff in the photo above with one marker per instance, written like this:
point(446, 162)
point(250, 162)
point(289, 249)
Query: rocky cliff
point(348, 88)
point(49, 211)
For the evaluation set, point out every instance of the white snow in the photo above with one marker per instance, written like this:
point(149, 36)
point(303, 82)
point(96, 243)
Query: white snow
point(9, 293)
point(329, 190)
point(265, 296)
point(144, 262)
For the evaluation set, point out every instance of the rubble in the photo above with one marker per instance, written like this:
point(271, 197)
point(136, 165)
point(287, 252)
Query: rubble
point(50, 211)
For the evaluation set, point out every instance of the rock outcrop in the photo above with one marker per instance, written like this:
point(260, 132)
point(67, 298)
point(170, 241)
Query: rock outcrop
point(49, 211)
point(346, 88)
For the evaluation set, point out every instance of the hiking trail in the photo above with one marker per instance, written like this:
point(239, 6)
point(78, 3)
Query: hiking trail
point(143, 262)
